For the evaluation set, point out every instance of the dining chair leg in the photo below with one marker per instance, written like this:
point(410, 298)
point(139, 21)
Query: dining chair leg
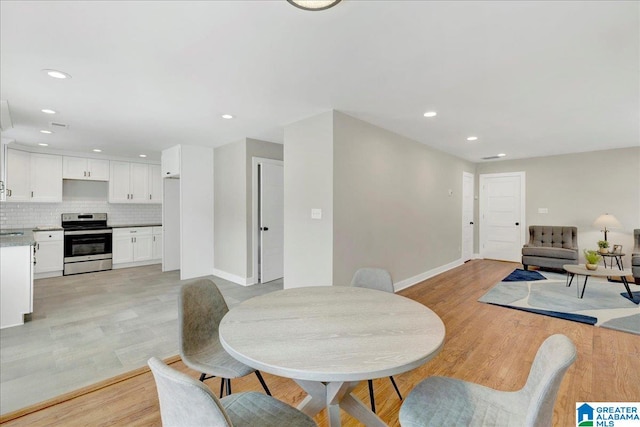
point(396, 387)
point(371, 398)
point(264, 385)
point(228, 386)
point(222, 381)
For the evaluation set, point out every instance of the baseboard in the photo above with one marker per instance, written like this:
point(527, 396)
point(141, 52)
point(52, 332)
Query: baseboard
point(47, 274)
point(136, 264)
point(407, 283)
point(243, 281)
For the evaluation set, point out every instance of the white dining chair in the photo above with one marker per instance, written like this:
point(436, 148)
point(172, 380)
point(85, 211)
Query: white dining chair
point(439, 401)
point(201, 307)
point(379, 279)
point(185, 402)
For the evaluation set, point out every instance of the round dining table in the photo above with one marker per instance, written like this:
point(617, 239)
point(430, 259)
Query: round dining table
point(329, 338)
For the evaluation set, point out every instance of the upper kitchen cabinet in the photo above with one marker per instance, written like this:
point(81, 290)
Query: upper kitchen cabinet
point(87, 169)
point(129, 183)
point(33, 177)
point(155, 184)
point(171, 162)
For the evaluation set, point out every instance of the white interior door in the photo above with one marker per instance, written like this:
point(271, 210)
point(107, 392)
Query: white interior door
point(502, 216)
point(271, 221)
point(467, 216)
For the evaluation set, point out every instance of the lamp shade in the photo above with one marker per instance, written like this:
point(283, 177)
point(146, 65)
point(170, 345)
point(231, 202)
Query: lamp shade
point(607, 221)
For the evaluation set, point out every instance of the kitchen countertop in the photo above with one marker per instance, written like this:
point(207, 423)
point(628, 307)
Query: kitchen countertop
point(9, 238)
point(133, 225)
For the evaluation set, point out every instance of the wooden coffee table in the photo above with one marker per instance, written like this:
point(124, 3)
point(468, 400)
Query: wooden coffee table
point(580, 269)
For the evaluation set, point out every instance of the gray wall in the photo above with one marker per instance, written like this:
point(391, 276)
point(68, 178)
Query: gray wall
point(233, 214)
point(577, 188)
point(308, 183)
point(384, 200)
point(391, 203)
point(230, 239)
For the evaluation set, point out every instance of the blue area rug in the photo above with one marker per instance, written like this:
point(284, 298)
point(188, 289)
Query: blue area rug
point(603, 304)
point(519, 275)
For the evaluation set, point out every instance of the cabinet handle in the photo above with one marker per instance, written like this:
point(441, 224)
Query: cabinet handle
point(38, 246)
point(149, 196)
point(32, 194)
point(154, 238)
point(8, 192)
point(89, 173)
point(84, 174)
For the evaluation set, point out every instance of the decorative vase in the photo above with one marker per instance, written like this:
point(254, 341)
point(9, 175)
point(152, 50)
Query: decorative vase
point(603, 251)
point(591, 266)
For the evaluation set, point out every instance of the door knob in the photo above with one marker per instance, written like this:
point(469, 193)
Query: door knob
point(471, 223)
point(264, 228)
point(517, 223)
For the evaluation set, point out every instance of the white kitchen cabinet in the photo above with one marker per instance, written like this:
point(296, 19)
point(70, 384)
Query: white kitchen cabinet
point(157, 243)
point(16, 284)
point(131, 183)
point(33, 177)
point(171, 162)
point(3, 171)
point(132, 246)
point(49, 253)
point(85, 169)
point(155, 184)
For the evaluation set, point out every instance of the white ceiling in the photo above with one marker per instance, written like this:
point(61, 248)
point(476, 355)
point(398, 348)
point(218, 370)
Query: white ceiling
point(527, 78)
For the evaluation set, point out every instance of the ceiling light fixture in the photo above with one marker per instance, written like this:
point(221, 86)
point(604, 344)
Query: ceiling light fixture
point(227, 116)
point(472, 138)
point(314, 4)
point(42, 144)
point(57, 74)
point(430, 114)
point(142, 155)
point(501, 155)
point(48, 111)
point(46, 131)
point(97, 150)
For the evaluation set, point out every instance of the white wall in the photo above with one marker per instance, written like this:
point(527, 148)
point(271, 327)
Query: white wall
point(308, 183)
point(392, 207)
point(577, 188)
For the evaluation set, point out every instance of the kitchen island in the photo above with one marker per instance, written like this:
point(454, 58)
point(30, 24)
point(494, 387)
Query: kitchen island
point(16, 276)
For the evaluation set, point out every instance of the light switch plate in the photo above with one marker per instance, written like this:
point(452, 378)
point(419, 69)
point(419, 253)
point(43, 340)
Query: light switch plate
point(543, 210)
point(316, 213)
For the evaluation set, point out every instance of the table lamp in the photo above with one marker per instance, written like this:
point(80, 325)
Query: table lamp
point(607, 220)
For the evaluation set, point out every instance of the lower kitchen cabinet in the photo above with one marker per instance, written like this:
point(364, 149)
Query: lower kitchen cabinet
point(49, 253)
point(133, 246)
point(16, 284)
point(157, 243)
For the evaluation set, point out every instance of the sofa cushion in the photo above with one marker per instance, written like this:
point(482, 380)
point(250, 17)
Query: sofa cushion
point(549, 252)
point(553, 236)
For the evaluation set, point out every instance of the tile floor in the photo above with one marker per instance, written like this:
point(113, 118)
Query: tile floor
point(90, 327)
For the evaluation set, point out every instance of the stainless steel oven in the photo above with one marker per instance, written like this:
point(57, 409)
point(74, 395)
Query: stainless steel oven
point(87, 243)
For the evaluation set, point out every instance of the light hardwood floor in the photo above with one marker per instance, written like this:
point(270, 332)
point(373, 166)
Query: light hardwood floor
point(490, 345)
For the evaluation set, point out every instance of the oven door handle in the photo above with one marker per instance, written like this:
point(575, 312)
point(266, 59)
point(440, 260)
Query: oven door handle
point(82, 232)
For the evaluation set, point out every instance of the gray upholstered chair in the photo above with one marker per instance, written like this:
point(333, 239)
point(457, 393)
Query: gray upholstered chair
point(550, 246)
point(201, 307)
point(635, 256)
point(379, 279)
point(187, 402)
point(439, 401)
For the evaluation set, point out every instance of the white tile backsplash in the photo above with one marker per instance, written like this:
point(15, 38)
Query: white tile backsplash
point(30, 215)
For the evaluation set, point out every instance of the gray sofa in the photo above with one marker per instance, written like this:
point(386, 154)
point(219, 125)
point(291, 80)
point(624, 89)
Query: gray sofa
point(635, 256)
point(550, 246)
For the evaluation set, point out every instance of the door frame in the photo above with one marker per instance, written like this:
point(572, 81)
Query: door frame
point(255, 214)
point(473, 214)
point(482, 207)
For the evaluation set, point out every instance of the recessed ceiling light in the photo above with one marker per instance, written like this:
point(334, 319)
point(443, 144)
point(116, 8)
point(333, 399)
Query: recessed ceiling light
point(97, 150)
point(227, 116)
point(430, 114)
point(472, 138)
point(501, 155)
point(48, 111)
point(42, 144)
point(46, 131)
point(57, 74)
point(143, 155)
